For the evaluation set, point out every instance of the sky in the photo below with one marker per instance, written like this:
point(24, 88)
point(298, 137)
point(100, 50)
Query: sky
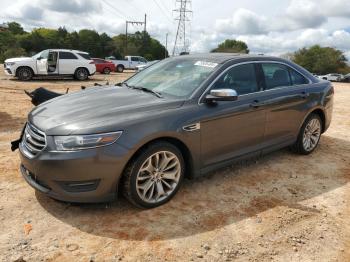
point(272, 27)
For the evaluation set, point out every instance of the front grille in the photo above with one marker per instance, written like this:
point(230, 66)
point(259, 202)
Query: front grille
point(33, 140)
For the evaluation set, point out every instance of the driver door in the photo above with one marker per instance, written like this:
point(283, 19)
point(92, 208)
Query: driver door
point(233, 128)
point(41, 63)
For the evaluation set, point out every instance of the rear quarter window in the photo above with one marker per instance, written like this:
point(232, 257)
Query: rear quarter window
point(85, 56)
point(297, 78)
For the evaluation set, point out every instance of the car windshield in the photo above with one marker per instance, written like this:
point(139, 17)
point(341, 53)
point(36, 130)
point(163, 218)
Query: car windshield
point(175, 77)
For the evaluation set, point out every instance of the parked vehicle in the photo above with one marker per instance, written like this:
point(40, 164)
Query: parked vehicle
point(52, 62)
point(346, 78)
point(182, 117)
point(129, 62)
point(144, 66)
point(104, 66)
point(332, 77)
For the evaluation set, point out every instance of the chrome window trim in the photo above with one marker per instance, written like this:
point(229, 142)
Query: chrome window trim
point(254, 62)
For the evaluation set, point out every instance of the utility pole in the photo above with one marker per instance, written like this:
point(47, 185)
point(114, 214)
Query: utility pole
point(134, 23)
point(166, 44)
point(182, 43)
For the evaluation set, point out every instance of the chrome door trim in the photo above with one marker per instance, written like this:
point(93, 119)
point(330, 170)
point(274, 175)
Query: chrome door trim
point(253, 62)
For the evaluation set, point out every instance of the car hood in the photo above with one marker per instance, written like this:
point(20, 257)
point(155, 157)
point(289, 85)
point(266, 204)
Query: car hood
point(97, 110)
point(19, 59)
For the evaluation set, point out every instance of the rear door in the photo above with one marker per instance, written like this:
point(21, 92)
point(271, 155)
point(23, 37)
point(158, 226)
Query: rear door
point(134, 61)
point(68, 63)
point(285, 99)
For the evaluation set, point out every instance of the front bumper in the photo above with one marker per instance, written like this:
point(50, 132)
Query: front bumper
point(8, 70)
point(86, 176)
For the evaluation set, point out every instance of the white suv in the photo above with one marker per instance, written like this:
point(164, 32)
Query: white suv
point(55, 62)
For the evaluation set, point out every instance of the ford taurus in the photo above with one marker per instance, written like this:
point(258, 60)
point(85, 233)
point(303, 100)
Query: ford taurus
point(180, 118)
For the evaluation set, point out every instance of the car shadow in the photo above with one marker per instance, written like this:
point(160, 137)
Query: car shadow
point(224, 197)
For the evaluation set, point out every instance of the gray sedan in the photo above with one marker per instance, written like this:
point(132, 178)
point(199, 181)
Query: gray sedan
point(180, 118)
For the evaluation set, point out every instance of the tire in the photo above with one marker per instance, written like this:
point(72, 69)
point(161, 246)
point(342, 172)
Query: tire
point(311, 130)
point(24, 74)
point(120, 68)
point(106, 71)
point(153, 186)
point(81, 74)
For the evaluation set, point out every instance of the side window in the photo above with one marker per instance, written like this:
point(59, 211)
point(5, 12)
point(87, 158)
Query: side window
point(276, 75)
point(67, 55)
point(44, 54)
point(134, 59)
point(297, 79)
point(241, 78)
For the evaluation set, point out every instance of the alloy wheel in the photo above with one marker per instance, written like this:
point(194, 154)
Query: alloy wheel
point(312, 133)
point(158, 177)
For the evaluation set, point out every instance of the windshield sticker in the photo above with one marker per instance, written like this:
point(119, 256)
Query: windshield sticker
point(206, 64)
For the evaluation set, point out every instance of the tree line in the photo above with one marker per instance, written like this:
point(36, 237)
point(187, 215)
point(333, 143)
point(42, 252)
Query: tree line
point(15, 41)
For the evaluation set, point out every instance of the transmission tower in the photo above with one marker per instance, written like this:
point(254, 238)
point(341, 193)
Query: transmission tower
point(182, 41)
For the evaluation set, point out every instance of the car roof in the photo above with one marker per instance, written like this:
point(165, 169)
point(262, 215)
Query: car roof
point(68, 50)
point(221, 58)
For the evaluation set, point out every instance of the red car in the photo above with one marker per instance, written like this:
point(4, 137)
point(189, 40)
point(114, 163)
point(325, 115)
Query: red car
point(104, 66)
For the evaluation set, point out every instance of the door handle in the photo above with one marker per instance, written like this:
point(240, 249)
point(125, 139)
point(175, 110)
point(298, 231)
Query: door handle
point(304, 95)
point(256, 104)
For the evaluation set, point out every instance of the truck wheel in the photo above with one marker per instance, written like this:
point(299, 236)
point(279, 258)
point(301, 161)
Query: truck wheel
point(106, 71)
point(120, 69)
point(81, 74)
point(24, 74)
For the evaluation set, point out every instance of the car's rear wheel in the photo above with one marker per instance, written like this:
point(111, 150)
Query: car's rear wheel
point(120, 69)
point(24, 74)
point(106, 71)
point(81, 74)
point(309, 135)
point(154, 176)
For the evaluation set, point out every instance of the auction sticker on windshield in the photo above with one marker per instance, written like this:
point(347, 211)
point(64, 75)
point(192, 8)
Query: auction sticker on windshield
point(206, 64)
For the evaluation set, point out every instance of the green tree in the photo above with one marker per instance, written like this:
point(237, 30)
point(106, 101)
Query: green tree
point(320, 60)
point(17, 42)
point(231, 46)
point(15, 28)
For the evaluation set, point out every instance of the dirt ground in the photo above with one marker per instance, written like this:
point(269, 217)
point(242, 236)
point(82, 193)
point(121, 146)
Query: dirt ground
point(282, 207)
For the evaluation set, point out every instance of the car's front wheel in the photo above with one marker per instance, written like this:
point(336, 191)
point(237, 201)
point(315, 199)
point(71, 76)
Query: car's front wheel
point(309, 135)
point(81, 74)
point(106, 71)
point(24, 74)
point(154, 176)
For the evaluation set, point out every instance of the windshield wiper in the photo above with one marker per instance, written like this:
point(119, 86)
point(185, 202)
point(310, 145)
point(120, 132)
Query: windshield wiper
point(157, 94)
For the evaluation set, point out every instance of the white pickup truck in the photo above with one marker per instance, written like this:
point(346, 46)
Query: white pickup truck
point(52, 62)
point(129, 62)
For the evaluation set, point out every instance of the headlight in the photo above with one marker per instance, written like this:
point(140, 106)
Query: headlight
point(10, 63)
point(78, 142)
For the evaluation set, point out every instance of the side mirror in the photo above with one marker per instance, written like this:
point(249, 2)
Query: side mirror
point(222, 95)
point(39, 58)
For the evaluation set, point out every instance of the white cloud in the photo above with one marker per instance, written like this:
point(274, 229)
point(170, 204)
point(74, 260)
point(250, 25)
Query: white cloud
point(243, 21)
point(286, 26)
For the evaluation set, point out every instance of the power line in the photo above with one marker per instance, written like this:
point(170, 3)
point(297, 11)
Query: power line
point(182, 43)
point(117, 11)
point(162, 10)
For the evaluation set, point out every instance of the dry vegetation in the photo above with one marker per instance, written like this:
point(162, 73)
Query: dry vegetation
point(283, 207)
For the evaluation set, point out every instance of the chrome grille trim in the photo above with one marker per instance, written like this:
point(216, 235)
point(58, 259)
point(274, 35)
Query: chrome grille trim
point(33, 141)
